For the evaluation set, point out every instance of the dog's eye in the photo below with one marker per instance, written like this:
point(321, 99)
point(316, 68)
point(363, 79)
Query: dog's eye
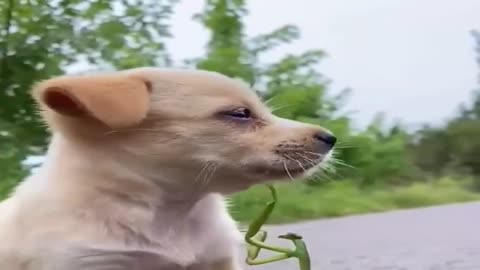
point(241, 114)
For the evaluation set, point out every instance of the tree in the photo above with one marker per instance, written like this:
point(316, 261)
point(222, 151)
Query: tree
point(39, 38)
point(293, 79)
point(454, 147)
point(226, 51)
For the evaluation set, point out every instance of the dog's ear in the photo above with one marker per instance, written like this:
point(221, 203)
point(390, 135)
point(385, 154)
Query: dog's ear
point(116, 100)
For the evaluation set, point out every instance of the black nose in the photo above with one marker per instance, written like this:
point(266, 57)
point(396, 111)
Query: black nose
point(326, 138)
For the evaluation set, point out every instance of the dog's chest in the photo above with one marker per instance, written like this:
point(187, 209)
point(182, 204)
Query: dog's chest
point(94, 259)
point(206, 234)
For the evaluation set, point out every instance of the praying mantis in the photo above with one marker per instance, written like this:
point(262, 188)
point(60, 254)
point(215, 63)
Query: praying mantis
point(255, 238)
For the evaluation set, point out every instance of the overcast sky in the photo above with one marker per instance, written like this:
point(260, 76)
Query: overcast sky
point(412, 59)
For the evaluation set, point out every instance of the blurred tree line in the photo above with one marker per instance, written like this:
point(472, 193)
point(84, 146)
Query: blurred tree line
point(453, 148)
point(40, 38)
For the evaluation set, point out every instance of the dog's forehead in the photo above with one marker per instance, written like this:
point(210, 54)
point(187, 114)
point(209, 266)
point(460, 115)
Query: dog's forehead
point(198, 82)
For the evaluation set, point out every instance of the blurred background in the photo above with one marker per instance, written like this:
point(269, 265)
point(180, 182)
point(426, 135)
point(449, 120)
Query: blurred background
point(396, 81)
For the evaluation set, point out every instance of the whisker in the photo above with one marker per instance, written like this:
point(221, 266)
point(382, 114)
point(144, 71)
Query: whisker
point(287, 171)
point(128, 130)
point(331, 159)
point(204, 167)
point(328, 163)
point(326, 167)
point(340, 162)
point(317, 177)
point(269, 100)
point(313, 153)
point(307, 159)
point(213, 173)
point(299, 163)
point(274, 109)
point(325, 175)
point(345, 147)
point(209, 176)
point(207, 172)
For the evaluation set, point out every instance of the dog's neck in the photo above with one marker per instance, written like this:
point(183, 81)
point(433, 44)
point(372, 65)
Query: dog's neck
point(105, 175)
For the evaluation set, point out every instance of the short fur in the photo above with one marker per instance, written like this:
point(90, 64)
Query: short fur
point(137, 168)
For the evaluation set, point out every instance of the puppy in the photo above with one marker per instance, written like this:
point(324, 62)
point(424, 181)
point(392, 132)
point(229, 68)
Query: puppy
point(137, 167)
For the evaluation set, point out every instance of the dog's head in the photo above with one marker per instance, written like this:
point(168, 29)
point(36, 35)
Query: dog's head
point(189, 127)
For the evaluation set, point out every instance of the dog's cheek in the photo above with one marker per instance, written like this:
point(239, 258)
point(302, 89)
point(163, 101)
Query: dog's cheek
point(247, 148)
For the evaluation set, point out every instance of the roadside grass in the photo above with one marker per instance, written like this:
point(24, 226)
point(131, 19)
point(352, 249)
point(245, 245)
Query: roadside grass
point(298, 201)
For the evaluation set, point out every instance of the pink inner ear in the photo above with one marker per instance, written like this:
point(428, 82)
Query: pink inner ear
point(62, 102)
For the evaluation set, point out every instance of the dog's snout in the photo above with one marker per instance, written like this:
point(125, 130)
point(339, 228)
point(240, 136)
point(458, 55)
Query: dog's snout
point(326, 138)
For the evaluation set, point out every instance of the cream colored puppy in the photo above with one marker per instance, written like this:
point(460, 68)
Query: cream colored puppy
point(137, 167)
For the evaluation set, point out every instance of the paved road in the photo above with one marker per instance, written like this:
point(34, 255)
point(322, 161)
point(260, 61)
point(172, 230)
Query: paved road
point(436, 238)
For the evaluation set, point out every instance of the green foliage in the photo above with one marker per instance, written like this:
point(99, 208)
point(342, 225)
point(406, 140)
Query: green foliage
point(39, 38)
point(453, 148)
point(225, 50)
point(300, 202)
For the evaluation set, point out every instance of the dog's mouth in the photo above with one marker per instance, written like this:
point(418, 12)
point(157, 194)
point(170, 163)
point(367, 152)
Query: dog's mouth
point(291, 166)
point(284, 171)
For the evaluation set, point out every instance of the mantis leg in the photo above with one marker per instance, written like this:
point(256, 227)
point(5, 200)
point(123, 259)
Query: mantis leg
point(301, 251)
point(255, 237)
point(269, 260)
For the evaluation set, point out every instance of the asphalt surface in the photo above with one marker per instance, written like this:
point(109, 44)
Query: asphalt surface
point(435, 238)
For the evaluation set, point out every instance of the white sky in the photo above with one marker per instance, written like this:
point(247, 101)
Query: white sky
point(413, 59)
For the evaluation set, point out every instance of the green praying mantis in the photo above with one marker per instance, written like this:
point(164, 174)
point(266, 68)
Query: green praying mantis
point(255, 238)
